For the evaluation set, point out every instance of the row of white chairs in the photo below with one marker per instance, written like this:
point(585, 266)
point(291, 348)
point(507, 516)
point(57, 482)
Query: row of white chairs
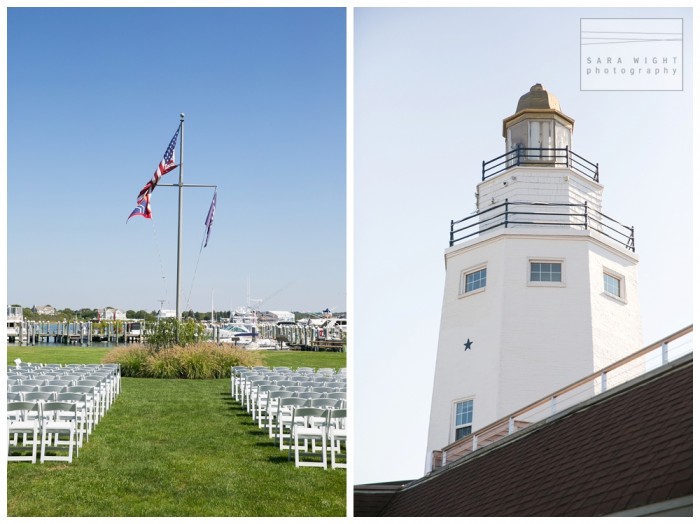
point(252, 387)
point(92, 389)
point(242, 376)
point(102, 387)
point(313, 413)
point(44, 423)
point(37, 373)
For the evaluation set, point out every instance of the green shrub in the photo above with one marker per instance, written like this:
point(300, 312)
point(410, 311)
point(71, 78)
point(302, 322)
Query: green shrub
point(164, 334)
point(198, 361)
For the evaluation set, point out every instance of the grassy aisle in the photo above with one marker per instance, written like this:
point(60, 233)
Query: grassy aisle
point(175, 448)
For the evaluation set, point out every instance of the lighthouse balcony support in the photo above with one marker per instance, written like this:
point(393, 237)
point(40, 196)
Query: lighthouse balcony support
point(553, 157)
point(544, 214)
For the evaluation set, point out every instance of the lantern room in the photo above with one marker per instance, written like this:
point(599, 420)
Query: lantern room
point(538, 132)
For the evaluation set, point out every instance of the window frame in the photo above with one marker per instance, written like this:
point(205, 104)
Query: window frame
point(464, 277)
point(456, 427)
point(622, 297)
point(546, 283)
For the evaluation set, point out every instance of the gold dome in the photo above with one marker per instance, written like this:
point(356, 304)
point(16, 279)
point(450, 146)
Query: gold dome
point(538, 98)
point(538, 103)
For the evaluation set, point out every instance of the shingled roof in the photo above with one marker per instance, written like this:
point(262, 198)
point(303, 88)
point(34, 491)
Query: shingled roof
point(630, 447)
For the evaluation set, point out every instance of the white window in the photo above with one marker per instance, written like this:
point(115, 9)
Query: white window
point(540, 137)
point(545, 271)
point(464, 413)
point(613, 284)
point(473, 280)
point(517, 136)
point(562, 136)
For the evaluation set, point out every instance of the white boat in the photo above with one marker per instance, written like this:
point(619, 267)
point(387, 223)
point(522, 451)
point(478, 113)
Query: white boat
point(240, 334)
point(236, 333)
point(329, 327)
point(15, 318)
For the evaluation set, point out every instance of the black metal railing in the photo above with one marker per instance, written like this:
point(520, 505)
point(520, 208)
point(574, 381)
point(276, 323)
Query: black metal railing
point(556, 156)
point(510, 214)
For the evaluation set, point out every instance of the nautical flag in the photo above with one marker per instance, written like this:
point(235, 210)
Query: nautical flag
point(166, 165)
point(143, 208)
point(210, 218)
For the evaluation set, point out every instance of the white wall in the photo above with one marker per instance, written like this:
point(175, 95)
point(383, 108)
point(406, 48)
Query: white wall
point(528, 340)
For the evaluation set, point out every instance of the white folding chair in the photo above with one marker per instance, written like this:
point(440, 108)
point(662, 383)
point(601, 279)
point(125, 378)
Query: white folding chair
point(82, 421)
point(90, 405)
point(273, 400)
point(247, 385)
point(58, 419)
point(285, 419)
point(261, 403)
point(253, 394)
point(236, 372)
point(337, 433)
point(21, 422)
point(98, 396)
point(304, 428)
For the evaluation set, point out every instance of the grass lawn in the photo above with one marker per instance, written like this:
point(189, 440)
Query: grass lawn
point(175, 448)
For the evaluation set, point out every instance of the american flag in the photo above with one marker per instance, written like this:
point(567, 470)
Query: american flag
point(210, 218)
point(166, 165)
point(143, 208)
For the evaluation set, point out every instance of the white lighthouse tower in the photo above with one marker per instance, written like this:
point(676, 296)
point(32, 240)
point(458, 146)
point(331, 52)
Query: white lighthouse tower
point(540, 285)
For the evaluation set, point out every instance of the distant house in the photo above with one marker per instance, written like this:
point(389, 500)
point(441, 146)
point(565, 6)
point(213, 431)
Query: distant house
point(110, 313)
point(44, 310)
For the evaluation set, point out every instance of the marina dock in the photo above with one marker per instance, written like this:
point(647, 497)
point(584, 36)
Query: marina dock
point(33, 332)
point(309, 338)
point(82, 333)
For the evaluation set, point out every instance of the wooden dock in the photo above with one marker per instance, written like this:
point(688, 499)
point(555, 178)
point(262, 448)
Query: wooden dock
point(305, 338)
point(37, 332)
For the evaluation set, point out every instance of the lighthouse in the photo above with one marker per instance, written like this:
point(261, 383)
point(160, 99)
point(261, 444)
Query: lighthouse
point(540, 283)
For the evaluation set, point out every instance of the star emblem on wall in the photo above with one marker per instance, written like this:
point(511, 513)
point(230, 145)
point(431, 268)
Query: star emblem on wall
point(468, 344)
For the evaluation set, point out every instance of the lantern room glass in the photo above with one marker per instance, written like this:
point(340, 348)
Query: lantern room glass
point(537, 140)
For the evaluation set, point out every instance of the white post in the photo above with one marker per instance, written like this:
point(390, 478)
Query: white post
point(178, 312)
point(664, 353)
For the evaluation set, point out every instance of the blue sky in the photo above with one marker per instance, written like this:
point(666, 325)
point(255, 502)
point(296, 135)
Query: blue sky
point(432, 87)
point(92, 105)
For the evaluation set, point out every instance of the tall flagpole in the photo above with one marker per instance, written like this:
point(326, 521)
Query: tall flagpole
point(178, 313)
point(168, 158)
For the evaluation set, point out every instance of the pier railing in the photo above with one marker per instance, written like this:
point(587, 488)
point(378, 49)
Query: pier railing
point(551, 156)
point(646, 359)
point(509, 214)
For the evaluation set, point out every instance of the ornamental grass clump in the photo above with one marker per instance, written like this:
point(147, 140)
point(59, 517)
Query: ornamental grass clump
point(197, 361)
point(131, 359)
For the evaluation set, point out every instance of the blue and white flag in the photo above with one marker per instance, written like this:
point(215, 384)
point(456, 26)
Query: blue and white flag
point(210, 218)
point(143, 208)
